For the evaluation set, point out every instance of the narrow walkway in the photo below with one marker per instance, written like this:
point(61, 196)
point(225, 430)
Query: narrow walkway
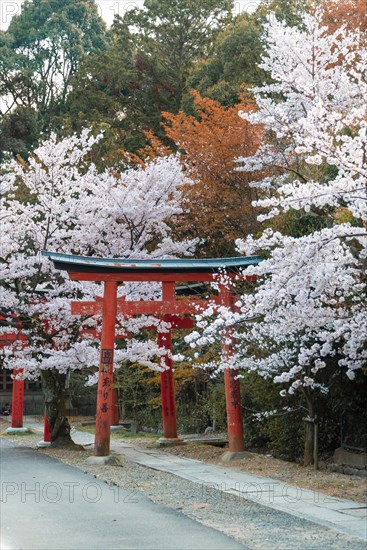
point(345, 516)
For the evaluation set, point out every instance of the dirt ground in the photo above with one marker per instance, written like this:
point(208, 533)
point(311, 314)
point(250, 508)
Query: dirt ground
point(324, 481)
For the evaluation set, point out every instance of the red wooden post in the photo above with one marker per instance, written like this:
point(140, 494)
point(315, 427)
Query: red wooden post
point(46, 428)
point(17, 408)
point(105, 378)
point(46, 431)
point(115, 416)
point(232, 385)
point(168, 388)
point(167, 378)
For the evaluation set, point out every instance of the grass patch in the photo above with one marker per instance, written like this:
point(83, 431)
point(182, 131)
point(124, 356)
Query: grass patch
point(18, 434)
point(139, 435)
point(88, 429)
point(119, 434)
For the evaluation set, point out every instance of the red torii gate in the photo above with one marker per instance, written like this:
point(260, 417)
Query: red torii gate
point(167, 272)
point(164, 341)
point(17, 408)
point(17, 405)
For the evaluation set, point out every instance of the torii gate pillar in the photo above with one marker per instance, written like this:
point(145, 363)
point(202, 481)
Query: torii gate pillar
point(115, 415)
point(46, 442)
point(236, 445)
point(168, 388)
point(105, 377)
point(17, 406)
point(167, 377)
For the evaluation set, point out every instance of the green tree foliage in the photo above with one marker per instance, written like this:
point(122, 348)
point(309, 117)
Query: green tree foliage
point(19, 131)
point(289, 11)
point(48, 39)
point(234, 61)
point(104, 95)
point(237, 52)
point(170, 36)
point(145, 68)
point(39, 53)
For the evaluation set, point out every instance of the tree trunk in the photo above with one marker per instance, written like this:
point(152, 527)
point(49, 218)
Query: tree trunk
point(308, 458)
point(309, 440)
point(53, 385)
point(316, 446)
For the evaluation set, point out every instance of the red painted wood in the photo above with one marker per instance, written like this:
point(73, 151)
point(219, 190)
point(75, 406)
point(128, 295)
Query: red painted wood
point(105, 378)
point(175, 321)
point(232, 386)
point(86, 308)
point(10, 337)
point(46, 428)
point(168, 388)
point(179, 322)
point(234, 411)
point(149, 276)
point(6, 339)
point(149, 307)
point(115, 416)
point(169, 291)
point(17, 407)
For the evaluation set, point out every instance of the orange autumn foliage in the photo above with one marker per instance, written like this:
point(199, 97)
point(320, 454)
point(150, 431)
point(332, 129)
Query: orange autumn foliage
point(352, 13)
point(218, 204)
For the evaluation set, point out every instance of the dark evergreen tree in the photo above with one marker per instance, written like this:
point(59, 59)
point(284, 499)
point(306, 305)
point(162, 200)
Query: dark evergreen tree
point(144, 71)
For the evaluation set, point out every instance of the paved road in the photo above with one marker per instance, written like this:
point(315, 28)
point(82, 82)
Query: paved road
point(48, 505)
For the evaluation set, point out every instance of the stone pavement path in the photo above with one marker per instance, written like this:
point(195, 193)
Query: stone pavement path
point(345, 516)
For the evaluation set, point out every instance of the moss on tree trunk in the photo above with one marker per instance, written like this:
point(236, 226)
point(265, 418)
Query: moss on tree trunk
point(53, 385)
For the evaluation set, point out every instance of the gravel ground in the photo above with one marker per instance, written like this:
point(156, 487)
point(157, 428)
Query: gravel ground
point(331, 483)
point(334, 484)
point(257, 527)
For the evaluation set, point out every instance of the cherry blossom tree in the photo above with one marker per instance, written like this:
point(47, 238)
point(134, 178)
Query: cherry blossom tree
point(59, 201)
point(308, 313)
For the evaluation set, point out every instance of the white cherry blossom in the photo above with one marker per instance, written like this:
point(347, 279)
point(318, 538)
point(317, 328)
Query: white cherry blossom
point(59, 201)
point(309, 308)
